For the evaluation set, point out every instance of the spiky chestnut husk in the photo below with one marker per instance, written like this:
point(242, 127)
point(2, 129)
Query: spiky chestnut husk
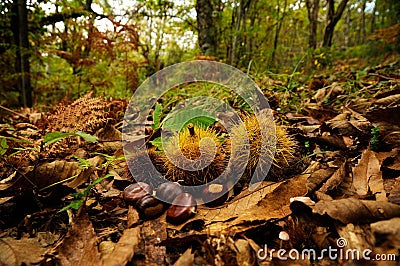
point(140, 165)
point(189, 141)
point(285, 147)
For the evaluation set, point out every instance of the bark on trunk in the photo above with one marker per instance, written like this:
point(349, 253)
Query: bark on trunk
point(312, 11)
point(332, 19)
point(278, 29)
point(206, 27)
point(22, 68)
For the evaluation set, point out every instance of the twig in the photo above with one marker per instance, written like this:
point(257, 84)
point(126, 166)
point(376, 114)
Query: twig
point(13, 112)
point(380, 76)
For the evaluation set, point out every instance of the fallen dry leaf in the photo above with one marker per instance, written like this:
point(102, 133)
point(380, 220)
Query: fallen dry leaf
point(356, 211)
point(318, 177)
point(335, 180)
point(124, 249)
point(186, 259)
point(269, 201)
point(153, 232)
point(244, 253)
point(387, 232)
point(25, 251)
point(357, 236)
point(367, 175)
point(79, 247)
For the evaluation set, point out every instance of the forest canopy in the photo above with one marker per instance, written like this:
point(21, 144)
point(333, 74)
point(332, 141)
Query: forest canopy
point(50, 49)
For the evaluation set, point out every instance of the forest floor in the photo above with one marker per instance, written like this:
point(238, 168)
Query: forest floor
point(61, 193)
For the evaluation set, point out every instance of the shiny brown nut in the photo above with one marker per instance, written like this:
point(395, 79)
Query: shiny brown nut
point(214, 195)
point(135, 192)
point(183, 207)
point(168, 191)
point(149, 207)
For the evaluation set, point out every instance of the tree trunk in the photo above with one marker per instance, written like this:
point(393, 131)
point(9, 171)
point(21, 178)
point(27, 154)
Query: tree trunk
point(312, 11)
point(373, 20)
point(278, 29)
point(236, 26)
point(363, 30)
point(332, 19)
point(19, 27)
point(347, 29)
point(206, 27)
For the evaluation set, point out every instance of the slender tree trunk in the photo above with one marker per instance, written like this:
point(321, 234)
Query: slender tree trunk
point(22, 68)
point(312, 12)
point(332, 19)
point(363, 30)
point(206, 27)
point(281, 16)
point(250, 39)
point(236, 22)
point(373, 19)
point(347, 29)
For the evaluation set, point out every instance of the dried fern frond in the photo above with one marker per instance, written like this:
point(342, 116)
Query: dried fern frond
point(84, 114)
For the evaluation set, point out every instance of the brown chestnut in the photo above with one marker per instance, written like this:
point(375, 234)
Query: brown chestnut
point(183, 207)
point(149, 207)
point(214, 195)
point(135, 192)
point(168, 191)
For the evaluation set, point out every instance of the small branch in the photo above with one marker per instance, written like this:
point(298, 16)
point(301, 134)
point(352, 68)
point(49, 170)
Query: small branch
point(13, 112)
point(380, 76)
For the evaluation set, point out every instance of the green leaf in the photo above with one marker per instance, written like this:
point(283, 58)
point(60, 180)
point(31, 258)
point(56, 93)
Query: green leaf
point(184, 117)
point(87, 137)
point(100, 179)
point(3, 146)
point(203, 121)
point(158, 143)
point(75, 204)
point(53, 137)
point(83, 163)
point(79, 197)
point(157, 116)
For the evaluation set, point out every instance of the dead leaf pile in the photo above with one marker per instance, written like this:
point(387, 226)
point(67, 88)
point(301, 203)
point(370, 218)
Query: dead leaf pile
point(347, 198)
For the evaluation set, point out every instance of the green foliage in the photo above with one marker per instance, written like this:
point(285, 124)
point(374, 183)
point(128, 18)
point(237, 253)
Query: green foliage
point(76, 55)
point(3, 146)
point(157, 117)
point(83, 164)
point(80, 197)
point(374, 142)
point(111, 159)
point(54, 137)
point(157, 143)
point(184, 117)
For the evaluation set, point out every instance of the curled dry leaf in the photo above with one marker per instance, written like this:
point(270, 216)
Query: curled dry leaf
point(124, 249)
point(79, 247)
point(335, 180)
point(25, 251)
point(367, 176)
point(387, 232)
point(358, 236)
point(357, 211)
point(244, 252)
point(186, 259)
point(392, 187)
point(318, 177)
